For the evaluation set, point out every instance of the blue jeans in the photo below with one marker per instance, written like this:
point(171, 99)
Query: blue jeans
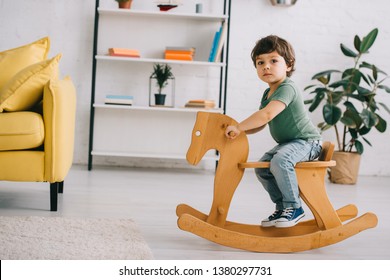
point(280, 180)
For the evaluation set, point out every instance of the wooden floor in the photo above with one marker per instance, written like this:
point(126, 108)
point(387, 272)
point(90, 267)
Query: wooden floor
point(150, 196)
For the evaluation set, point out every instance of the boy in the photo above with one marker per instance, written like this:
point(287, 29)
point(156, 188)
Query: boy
point(282, 108)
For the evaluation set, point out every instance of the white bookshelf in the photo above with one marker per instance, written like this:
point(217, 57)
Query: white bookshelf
point(180, 16)
point(151, 155)
point(157, 108)
point(157, 60)
point(142, 131)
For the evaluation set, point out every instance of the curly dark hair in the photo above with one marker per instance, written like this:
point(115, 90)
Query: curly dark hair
point(274, 43)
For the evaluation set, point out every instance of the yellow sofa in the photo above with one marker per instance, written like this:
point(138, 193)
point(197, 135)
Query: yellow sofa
point(37, 118)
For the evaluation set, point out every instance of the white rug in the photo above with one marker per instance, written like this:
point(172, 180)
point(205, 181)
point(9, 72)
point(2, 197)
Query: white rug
point(57, 238)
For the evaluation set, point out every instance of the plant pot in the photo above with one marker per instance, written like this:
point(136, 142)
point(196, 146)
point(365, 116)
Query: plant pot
point(159, 99)
point(125, 5)
point(347, 168)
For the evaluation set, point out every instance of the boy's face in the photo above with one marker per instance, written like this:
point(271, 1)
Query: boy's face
point(271, 68)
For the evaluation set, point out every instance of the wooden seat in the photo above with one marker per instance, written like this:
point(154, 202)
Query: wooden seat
point(324, 160)
point(327, 227)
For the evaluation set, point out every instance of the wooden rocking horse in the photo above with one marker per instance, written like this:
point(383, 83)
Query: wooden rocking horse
point(326, 229)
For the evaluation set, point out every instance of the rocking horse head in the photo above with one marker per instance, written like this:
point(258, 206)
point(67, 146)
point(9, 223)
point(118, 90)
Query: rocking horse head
point(209, 133)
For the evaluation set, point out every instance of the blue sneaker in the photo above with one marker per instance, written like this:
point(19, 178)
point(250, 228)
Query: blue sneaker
point(290, 217)
point(271, 220)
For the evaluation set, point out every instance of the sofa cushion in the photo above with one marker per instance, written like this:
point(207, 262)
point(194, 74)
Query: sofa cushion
point(21, 131)
point(25, 89)
point(14, 60)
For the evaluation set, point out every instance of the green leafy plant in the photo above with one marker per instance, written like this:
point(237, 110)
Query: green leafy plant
point(351, 100)
point(162, 73)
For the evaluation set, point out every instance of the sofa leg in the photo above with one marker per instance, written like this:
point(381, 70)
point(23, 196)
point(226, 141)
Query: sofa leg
point(53, 196)
point(61, 187)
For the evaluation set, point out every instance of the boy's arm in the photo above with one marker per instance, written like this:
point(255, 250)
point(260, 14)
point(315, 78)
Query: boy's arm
point(263, 116)
point(257, 120)
point(255, 130)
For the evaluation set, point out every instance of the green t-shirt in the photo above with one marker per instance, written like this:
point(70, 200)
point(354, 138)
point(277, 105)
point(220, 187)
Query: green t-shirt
point(293, 122)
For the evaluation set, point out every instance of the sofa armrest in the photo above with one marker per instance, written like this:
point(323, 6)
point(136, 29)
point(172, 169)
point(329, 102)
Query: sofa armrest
point(59, 113)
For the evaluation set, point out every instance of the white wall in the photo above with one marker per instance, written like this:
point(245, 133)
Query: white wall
point(314, 27)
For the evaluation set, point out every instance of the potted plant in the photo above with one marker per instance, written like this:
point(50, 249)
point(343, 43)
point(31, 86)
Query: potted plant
point(124, 4)
point(161, 73)
point(350, 106)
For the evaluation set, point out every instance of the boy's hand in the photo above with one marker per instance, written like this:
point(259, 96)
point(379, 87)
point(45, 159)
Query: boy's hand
point(232, 132)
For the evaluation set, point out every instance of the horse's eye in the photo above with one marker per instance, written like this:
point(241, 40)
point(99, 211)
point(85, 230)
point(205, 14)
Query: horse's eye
point(198, 133)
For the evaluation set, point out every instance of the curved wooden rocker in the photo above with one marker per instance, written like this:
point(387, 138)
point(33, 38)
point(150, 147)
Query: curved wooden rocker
point(327, 228)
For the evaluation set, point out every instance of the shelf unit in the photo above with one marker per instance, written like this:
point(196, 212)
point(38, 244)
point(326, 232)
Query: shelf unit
point(156, 60)
point(134, 131)
point(103, 11)
point(162, 109)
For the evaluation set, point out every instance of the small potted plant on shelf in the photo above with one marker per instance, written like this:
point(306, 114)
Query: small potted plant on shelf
point(350, 106)
point(161, 73)
point(124, 4)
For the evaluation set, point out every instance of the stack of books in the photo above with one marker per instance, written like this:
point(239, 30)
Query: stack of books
point(112, 99)
point(200, 103)
point(123, 52)
point(180, 53)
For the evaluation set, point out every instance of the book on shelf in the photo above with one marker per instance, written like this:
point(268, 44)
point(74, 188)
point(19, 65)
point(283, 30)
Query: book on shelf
point(214, 45)
point(221, 42)
point(179, 53)
point(123, 52)
point(179, 56)
point(114, 99)
point(190, 50)
point(200, 103)
point(218, 43)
